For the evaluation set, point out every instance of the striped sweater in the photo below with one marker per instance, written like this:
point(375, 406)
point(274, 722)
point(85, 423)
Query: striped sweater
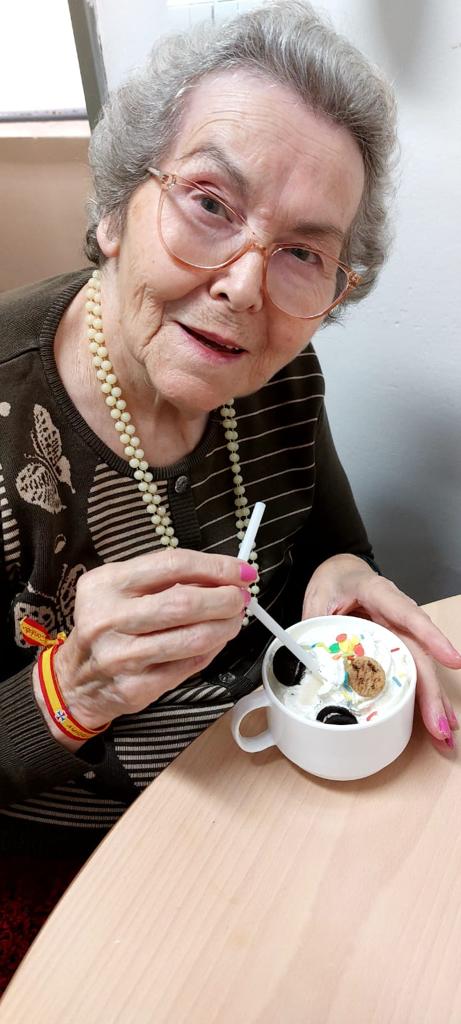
point(69, 503)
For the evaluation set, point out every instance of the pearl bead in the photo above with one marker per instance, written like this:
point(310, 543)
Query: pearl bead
point(126, 417)
point(125, 438)
point(130, 428)
point(134, 463)
point(142, 486)
point(155, 519)
point(105, 388)
point(101, 374)
point(139, 475)
point(116, 392)
point(119, 427)
point(110, 400)
point(93, 347)
point(102, 351)
point(143, 464)
point(129, 450)
point(115, 413)
point(111, 378)
point(121, 404)
point(169, 540)
point(140, 453)
point(147, 476)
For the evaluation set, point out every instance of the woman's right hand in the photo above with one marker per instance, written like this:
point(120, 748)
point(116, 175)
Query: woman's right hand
point(143, 626)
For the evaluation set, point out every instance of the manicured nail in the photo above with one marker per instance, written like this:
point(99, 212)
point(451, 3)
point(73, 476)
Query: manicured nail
point(443, 727)
point(248, 573)
point(246, 598)
point(450, 742)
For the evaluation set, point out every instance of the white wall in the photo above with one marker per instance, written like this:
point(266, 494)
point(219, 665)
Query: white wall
point(393, 370)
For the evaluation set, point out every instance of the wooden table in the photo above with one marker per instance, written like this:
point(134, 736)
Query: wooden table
point(239, 889)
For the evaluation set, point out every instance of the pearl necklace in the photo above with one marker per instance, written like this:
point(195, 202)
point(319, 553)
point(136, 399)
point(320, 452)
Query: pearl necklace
point(159, 514)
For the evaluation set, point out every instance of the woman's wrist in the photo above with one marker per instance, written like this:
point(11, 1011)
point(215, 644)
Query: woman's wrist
point(65, 741)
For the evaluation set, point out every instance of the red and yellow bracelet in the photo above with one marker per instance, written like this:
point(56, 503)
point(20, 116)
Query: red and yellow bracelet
point(38, 636)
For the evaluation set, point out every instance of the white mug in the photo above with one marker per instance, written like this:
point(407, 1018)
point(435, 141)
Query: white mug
point(337, 752)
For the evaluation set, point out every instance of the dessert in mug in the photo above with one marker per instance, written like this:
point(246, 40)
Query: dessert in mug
point(362, 675)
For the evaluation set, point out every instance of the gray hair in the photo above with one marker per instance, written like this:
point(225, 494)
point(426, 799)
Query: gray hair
point(287, 41)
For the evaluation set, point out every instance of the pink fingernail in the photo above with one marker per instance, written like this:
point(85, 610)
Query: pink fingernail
point(443, 727)
point(450, 742)
point(248, 573)
point(246, 598)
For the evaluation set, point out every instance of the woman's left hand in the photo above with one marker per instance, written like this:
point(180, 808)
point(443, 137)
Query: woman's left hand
point(346, 585)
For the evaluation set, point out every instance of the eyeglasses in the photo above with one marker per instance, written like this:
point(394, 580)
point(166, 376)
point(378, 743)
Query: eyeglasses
point(200, 230)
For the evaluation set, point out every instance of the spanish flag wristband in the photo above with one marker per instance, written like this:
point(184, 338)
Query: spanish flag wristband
point(37, 635)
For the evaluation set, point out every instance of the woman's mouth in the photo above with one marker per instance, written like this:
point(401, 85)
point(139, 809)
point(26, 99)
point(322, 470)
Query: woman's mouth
point(214, 342)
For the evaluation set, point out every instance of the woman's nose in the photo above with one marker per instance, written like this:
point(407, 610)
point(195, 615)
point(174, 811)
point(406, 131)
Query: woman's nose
point(241, 283)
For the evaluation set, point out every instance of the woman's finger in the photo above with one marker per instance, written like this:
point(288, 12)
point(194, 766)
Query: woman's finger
point(386, 601)
point(160, 570)
point(180, 605)
point(115, 654)
point(430, 697)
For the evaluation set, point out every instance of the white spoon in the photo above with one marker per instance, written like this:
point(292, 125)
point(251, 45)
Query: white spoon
point(307, 658)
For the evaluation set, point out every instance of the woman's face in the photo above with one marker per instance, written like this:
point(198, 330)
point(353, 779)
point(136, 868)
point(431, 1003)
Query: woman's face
point(280, 166)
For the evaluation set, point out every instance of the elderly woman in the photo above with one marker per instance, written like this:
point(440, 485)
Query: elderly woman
point(241, 184)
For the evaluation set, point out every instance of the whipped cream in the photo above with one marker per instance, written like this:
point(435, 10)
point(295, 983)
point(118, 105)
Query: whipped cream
point(333, 651)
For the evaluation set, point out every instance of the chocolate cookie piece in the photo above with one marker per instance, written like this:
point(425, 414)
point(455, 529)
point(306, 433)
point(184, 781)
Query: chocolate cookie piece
point(366, 676)
point(287, 669)
point(332, 715)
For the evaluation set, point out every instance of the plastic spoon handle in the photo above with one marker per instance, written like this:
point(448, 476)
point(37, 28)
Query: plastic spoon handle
point(305, 657)
point(252, 529)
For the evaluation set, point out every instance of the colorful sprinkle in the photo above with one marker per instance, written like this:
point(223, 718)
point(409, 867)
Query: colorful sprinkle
point(369, 717)
point(341, 638)
point(334, 648)
point(395, 680)
point(394, 649)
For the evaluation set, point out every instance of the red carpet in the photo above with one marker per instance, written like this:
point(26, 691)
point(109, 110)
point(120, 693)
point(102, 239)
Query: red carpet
point(29, 889)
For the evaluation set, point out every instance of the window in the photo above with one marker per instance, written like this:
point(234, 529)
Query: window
point(39, 71)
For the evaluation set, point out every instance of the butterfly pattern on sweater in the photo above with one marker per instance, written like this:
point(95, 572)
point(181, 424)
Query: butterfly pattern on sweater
point(38, 483)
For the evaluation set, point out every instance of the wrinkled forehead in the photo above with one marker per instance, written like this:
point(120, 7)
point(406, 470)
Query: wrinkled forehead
point(273, 137)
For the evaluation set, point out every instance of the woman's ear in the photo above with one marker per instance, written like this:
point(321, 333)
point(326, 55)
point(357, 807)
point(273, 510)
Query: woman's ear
point(108, 238)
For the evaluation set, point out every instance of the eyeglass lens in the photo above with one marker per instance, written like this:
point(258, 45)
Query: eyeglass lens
point(204, 232)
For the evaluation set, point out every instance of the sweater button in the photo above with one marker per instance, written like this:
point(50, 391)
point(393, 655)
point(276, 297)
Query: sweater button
point(181, 484)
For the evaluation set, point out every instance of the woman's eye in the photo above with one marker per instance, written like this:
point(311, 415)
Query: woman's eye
point(211, 205)
point(305, 255)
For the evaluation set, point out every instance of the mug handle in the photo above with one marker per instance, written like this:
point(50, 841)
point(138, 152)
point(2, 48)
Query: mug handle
point(243, 708)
